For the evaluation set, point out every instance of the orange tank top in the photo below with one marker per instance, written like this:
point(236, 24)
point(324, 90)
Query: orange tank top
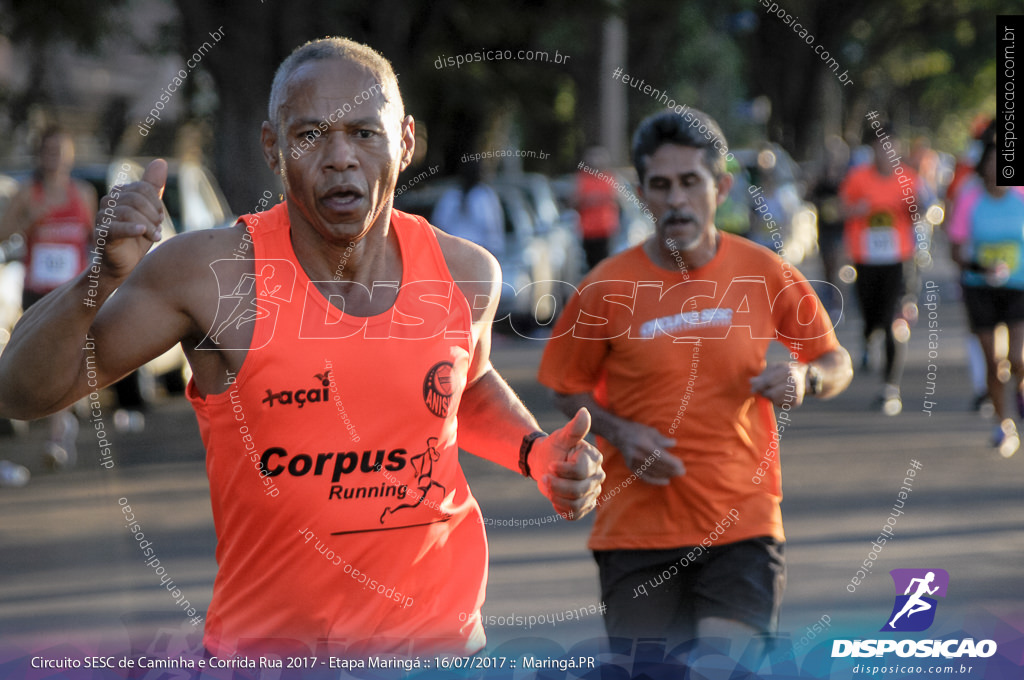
point(57, 243)
point(344, 521)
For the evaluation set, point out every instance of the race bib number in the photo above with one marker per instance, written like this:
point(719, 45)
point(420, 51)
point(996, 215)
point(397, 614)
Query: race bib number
point(53, 264)
point(991, 254)
point(881, 245)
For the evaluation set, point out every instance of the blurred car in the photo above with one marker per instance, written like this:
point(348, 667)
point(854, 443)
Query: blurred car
point(12, 276)
point(192, 196)
point(530, 293)
point(12, 271)
point(560, 226)
point(772, 175)
point(636, 225)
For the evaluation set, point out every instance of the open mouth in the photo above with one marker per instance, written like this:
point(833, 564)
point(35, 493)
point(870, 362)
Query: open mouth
point(341, 198)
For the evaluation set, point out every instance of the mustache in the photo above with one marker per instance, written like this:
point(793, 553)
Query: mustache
point(678, 216)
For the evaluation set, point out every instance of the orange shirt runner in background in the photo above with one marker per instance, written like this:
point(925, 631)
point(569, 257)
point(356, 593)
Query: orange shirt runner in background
point(341, 510)
point(598, 208)
point(885, 235)
point(676, 351)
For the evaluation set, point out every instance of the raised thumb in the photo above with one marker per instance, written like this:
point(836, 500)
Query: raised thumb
point(576, 429)
point(156, 174)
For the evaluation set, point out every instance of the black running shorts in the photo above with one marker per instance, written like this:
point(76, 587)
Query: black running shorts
point(662, 593)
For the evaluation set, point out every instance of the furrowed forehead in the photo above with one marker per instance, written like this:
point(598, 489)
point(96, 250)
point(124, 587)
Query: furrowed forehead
point(676, 159)
point(318, 88)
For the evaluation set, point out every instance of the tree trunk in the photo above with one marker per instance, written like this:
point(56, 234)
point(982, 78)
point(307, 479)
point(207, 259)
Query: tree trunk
point(256, 38)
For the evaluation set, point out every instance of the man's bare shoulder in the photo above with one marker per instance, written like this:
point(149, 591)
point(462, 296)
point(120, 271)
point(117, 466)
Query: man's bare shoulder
point(186, 260)
point(466, 260)
point(189, 273)
point(202, 247)
point(473, 268)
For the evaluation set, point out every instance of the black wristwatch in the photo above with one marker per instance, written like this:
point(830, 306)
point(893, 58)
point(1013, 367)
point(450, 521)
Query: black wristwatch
point(524, 451)
point(815, 380)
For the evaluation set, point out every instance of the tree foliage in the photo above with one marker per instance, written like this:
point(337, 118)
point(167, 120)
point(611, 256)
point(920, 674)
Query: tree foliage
point(928, 63)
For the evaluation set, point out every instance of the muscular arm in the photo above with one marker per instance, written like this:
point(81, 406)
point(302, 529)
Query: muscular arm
point(50, 361)
point(493, 420)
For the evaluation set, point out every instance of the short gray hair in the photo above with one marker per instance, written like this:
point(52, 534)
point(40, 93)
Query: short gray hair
point(333, 48)
point(669, 127)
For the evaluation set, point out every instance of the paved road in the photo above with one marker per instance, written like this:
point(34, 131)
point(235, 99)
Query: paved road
point(72, 572)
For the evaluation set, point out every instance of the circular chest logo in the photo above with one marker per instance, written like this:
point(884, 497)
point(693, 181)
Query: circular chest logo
point(437, 388)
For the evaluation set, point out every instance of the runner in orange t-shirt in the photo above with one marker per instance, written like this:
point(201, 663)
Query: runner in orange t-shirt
point(338, 366)
point(665, 344)
point(597, 205)
point(879, 201)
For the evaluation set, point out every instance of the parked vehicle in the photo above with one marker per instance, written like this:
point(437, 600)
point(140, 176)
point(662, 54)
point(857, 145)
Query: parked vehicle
point(530, 294)
point(12, 272)
point(559, 225)
point(771, 181)
point(192, 196)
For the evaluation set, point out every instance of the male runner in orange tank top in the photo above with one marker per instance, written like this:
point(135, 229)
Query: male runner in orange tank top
point(338, 137)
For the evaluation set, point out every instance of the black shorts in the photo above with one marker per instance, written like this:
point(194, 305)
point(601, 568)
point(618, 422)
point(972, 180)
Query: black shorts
point(988, 307)
point(741, 581)
point(879, 289)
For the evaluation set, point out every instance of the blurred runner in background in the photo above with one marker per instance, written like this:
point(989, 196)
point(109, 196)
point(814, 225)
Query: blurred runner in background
point(665, 344)
point(53, 212)
point(597, 205)
point(965, 174)
point(879, 238)
point(825, 195)
point(987, 233)
point(926, 163)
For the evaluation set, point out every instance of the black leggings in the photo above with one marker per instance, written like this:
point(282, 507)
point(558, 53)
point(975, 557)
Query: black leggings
point(880, 288)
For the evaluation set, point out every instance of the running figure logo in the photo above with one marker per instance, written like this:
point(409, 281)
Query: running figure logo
point(423, 465)
point(914, 610)
point(252, 297)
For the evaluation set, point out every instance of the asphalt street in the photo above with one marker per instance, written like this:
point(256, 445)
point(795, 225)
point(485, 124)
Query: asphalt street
point(72, 572)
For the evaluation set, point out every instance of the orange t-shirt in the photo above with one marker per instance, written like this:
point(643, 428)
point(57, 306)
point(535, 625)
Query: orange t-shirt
point(676, 352)
point(599, 211)
point(341, 510)
point(886, 234)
